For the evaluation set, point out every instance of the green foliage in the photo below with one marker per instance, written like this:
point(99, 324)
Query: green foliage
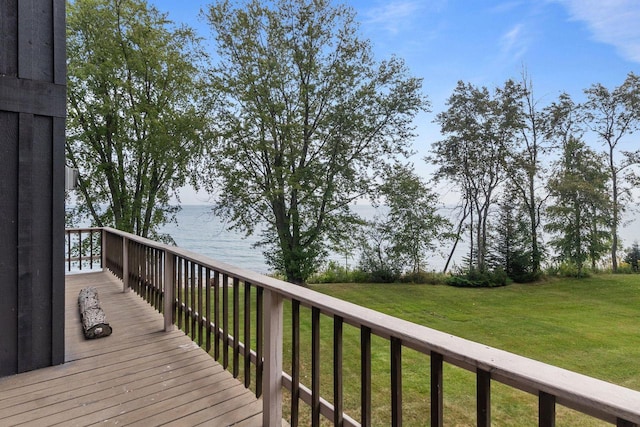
point(411, 224)
point(425, 277)
point(579, 213)
point(480, 131)
point(510, 248)
point(336, 273)
point(611, 115)
point(474, 278)
point(308, 119)
point(135, 113)
point(568, 269)
point(632, 257)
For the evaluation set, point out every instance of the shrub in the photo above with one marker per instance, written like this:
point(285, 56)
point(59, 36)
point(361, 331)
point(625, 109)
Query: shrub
point(424, 277)
point(335, 273)
point(567, 269)
point(479, 279)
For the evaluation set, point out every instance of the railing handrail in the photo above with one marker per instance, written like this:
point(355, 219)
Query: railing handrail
point(591, 396)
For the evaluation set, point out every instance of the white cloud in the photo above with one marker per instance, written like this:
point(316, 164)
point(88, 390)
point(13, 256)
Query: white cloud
point(514, 42)
point(615, 22)
point(392, 16)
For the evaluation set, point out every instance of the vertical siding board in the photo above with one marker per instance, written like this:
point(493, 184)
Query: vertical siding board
point(26, 23)
point(9, 37)
point(8, 243)
point(42, 242)
point(25, 241)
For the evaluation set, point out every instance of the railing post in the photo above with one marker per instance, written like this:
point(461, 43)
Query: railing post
point(103, 249)
point(125, 264)
point(169, 286)
point(272, 381)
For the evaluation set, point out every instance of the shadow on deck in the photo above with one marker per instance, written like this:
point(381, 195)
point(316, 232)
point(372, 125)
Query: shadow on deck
point(139, 375)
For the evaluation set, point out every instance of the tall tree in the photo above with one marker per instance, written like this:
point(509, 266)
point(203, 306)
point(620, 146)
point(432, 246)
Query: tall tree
point(511, 248)
point(579, 213)
point(412, 223)
point(612, 116)
point(310, 118)
point(525, 169)
point(134, 113)
point(481, 129)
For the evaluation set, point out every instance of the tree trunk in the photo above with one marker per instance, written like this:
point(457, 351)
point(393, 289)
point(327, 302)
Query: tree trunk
point(93, 318)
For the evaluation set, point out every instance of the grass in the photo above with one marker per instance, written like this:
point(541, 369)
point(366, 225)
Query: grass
point(588, 326)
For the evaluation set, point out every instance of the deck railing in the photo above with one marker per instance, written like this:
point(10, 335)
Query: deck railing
point(216, 303)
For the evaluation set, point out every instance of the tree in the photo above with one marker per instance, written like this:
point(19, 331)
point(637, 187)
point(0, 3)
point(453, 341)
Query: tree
point(309, 119)
point(633, 256)
point(524, 170)
point(135, 116)
point(511, 249)
point(579, 213)
point(613, 115)
point(480, 130)
point(412, 223)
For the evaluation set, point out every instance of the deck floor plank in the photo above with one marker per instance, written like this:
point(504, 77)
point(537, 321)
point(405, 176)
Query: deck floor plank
point(140, 375)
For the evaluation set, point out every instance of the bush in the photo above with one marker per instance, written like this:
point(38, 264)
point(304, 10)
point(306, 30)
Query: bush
point(479, 279)
point(626, 268)
point(424, 277)
point(335, 273)
point(567, 269)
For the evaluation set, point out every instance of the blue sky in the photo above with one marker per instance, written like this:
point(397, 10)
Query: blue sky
point(565, 45)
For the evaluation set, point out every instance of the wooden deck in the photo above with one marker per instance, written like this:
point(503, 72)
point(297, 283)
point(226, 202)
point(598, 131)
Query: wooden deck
point(139, 375)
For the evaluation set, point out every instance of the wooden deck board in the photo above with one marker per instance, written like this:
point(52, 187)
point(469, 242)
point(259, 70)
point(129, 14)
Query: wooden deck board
point(139, 375)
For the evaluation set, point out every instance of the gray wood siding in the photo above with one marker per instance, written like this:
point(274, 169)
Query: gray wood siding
point(32, 112)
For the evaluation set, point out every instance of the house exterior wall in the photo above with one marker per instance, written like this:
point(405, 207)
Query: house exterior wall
point(32, 123)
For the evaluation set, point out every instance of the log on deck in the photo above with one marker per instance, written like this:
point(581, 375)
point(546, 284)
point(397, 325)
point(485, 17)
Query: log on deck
point(139, 375)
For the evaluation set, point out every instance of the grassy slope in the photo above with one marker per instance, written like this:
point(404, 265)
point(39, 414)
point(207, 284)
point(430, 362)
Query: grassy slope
point(589, 326)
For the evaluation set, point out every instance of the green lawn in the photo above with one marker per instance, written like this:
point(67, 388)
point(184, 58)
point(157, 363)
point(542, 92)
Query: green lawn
point(589, 326)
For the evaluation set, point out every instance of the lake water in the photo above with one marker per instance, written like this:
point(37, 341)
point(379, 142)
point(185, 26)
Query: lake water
point(198, 230)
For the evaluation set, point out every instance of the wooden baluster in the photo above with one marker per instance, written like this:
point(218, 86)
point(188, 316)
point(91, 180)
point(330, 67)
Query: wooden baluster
point(68, 250)
point(169, 287)
point(125, 264)
point(436, 390)
point(483, 379)
point(180, 294)
point(236, 327)
point(259, 340)
point(207, 302)
point(91, 249)
point(295, 362)
point(315, 367)
point(187, 298)
point(396, 382)
point(247, 334)
point(338, 399)
point(365, 376)
point(546, 409)
point(216, 314)
point(200, 314)
point(80, 250)
point(225, 321)
point(194, 315)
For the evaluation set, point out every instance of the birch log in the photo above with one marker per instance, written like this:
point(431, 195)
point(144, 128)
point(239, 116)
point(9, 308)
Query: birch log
point(93, 318)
